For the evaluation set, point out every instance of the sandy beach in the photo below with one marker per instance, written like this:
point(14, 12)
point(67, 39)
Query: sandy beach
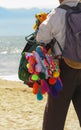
point(20, 110)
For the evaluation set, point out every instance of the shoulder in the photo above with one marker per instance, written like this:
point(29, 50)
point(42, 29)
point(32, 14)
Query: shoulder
point(56, 14)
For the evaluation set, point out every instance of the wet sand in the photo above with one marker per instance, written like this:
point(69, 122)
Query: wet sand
point(20, 110)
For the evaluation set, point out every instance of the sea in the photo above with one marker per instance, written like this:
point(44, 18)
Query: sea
point(10, 54)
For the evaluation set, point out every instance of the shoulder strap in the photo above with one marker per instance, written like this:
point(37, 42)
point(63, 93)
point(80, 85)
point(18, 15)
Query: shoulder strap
point(67, 7)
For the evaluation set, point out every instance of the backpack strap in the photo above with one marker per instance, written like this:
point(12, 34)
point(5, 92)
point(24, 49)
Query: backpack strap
point(67, 7)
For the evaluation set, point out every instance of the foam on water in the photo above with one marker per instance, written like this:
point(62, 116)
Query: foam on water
point(10, 78)
point(10, 54)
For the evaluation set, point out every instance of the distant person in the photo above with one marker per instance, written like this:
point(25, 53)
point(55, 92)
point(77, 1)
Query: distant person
point(56, 108)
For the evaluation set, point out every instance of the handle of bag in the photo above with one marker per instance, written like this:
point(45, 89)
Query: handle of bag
point(27, 38)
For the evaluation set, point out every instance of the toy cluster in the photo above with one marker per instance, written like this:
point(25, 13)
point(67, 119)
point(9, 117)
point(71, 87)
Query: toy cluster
point(44, 72)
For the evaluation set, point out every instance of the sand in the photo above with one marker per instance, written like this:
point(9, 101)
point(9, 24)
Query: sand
point(20, 110)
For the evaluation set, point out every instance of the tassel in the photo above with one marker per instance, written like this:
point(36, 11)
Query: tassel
point(39, 95)
point(35, 88)
point(58, 85)
point(44, 85)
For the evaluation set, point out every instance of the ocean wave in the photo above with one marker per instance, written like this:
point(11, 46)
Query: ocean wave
point(12, 51)
point(15, 51)
point(11, 45)
point(3, 52)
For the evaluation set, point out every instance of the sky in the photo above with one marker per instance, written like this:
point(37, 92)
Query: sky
point(29, 3)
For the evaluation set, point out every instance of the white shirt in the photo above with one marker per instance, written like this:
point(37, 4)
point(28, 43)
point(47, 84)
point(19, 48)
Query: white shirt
point(54, 26)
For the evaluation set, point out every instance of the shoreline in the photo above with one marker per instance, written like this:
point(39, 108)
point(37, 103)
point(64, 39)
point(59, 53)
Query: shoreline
point(10, 77)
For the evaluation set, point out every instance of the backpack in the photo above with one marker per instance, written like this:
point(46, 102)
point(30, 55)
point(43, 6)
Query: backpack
point(29, 47)
point(72, 49)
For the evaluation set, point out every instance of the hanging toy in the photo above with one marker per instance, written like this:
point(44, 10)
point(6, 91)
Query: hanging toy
point(44, 72)
point(58, 85)
point(39, 19)
point(39, 95)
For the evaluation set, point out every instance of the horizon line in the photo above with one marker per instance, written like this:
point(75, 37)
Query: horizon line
point(16, 8)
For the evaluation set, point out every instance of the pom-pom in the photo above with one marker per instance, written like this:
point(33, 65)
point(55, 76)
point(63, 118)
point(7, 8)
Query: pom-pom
point(28, 65)
point(56, 74)
point(34, 77)
point(52, 81)
point(39, 96)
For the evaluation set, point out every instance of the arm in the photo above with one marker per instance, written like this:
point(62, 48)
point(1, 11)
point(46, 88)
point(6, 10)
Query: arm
point(45, 32)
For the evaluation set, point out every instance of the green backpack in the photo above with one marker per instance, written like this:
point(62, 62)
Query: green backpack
point(30, 46)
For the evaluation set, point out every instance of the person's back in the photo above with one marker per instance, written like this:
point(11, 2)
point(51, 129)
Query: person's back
point(55, 113)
